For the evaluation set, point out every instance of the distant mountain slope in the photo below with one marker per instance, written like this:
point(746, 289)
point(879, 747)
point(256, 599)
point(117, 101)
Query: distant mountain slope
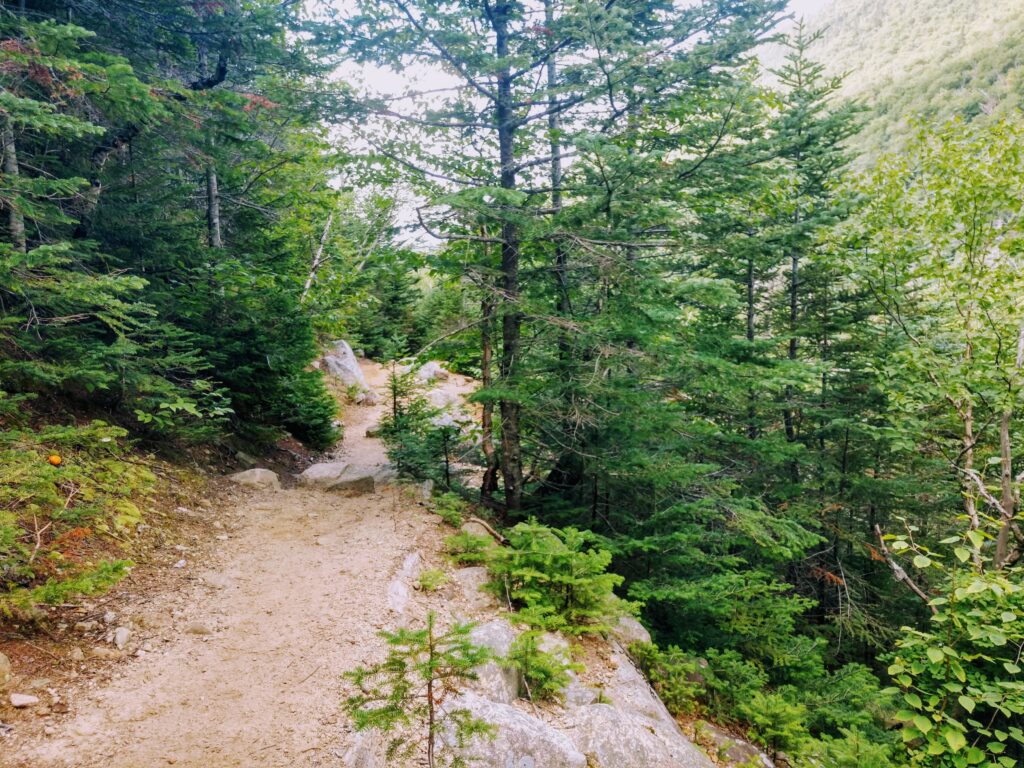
point(930, 59)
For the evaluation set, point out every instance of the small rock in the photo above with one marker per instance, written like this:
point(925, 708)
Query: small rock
point(196, 628)
point(411, 566)
point(109, 617)
point(223, 537)
point(49, 730)
point(100, 652)
point(86, 626)
point(121, 637)
point(373, 431)
point(218, 525)
point(257, 478)
point(22, 700)
point(77, 654)
point(472, 581)
point(398, 596)
point(426, 490)
point(6, 672)
point(179, 564)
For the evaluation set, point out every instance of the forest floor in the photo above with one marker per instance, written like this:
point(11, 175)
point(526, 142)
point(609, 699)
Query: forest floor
point(237, 656)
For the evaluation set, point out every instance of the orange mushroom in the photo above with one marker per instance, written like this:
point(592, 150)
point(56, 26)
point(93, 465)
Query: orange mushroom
point(55, 459)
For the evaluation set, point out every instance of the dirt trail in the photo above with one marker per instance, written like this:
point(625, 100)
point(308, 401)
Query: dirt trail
point(244, 668)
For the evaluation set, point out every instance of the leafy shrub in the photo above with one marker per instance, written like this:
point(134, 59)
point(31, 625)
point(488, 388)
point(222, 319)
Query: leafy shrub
point(672, 673)
point(451, 508)
point(545, 673)
point(775, 723)
point(52, 515)
point(432, 579)
point(468, 548)
point(851, 750)
point(408, 690)
point(557, 579)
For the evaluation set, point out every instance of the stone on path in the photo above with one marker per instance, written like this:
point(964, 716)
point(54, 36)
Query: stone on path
point(257, 478)
point(6, 672)
point(22, 700)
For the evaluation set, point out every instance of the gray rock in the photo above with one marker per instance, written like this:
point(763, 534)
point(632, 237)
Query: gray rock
point(630, 693)
point(628, 631)
point(368, 750)
point(257, 478)
point(77, 654)
point(610, 737)
point(412, 564)
point(427, 490)
point(520, 741)
point(398, 596)
point(431, 371)
point(356, 481)
point(22, 700)
point(246, 460)
point(373, 430)
point(85, 626)
point(495, 682)
point(731, 751)
point(576, 694)
point(6, 672)
point(341, 361)
point(339, 476)
point(109, 617)
point(323, 475)
point(385, 475)
point(121, 637)
point(472, 581)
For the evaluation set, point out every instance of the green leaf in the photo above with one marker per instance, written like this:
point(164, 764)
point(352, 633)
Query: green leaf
point(935, 655)
point(954, 738)
point(966, 702)
point(921, 561)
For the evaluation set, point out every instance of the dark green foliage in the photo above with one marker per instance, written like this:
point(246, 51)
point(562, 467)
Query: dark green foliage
point(675, 675)
point(545, 673)
point(404, 695)
point(468, 548)
point(557, 579)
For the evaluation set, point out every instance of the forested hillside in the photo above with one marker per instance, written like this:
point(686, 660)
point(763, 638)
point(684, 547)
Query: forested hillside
point(777, 401)
point(923, 60)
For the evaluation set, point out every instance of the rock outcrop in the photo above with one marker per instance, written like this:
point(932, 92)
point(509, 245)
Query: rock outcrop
point(342, 362)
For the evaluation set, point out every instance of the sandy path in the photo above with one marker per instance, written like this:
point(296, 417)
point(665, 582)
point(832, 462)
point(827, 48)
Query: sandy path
point(244, 668)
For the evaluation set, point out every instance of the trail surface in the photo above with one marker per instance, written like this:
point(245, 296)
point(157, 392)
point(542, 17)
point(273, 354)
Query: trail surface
point(244, 668)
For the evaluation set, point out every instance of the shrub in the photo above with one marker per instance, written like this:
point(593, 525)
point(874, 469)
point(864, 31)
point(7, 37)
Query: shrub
point(432, 579)
point(451, 508)
point(409, 688)
point(469, 548)
point(776, 723)
point(672, 673)
point(545, 673)
point(557, 579)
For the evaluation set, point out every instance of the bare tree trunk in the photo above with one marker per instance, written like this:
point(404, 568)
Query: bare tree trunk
point(751, 410)
point(794, 283)
point(1008, 494)
point(213, 208)
point(511, 449)
point(15, 219)
point(318, 258)
point(489, 485)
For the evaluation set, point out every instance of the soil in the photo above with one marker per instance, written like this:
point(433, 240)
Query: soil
point(237, 654)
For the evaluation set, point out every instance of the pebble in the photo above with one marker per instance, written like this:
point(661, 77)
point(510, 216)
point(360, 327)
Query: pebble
point(179, 564)
point(198, 629)
point(121, 637)
point(77, 654)
point(86, 626)
point(99, 652)
point(22, 700)
point(49, 730)
point(109, 617)
point(6, 672)
point(223, 537)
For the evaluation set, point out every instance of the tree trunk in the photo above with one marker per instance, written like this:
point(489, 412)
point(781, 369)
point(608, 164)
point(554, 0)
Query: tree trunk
point(318, 258)
point(1008, 494)
point(15, 219)
point(794, 282)
point(751, 396)
point(213, 208)
point(490, 480)
point(511, 321)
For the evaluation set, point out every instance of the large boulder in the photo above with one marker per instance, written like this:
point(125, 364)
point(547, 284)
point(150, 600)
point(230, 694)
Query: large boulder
point(472, 582)
point(494, 681)
point(520, 741)
point(628, 631)
point(257, 478)
point(631, 694)
point(340, 476)
point(431, 371)
point(731, 751)
point(341, 361)
point(323, 475)
point(611, 738)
